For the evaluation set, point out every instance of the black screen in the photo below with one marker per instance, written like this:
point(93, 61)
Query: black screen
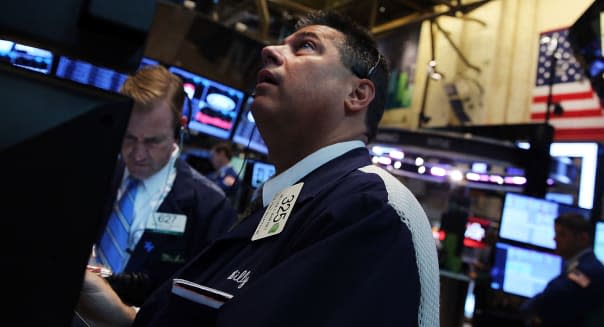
point(58, 149)
point(585, 38)
point(110, 33)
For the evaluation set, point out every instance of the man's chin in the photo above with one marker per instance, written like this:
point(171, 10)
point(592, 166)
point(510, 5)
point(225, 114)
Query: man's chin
point(139, 174)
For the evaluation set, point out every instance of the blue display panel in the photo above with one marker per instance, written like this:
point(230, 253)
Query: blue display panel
point(246, 133)
point(530, 220)
point(148, 62)
point(213, 107)
point(599, 241)
point(21, 55)
point(521, 271)
point(89, 74)
point(261, 172)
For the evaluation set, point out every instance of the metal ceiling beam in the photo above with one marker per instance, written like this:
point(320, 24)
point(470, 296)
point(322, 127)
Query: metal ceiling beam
point(263, 16)
point(437, 11)
point(292, 5)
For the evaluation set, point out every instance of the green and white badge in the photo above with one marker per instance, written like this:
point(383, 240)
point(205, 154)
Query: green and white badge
point(277, 213)
point(168, 223)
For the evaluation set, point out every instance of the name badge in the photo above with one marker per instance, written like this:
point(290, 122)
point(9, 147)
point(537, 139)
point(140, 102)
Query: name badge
point(278, 211)
point(169, 223)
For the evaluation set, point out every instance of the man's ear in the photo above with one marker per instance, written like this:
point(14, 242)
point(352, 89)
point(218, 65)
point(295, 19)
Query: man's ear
point(361, 95)
point(183, 121)
point(584, 238)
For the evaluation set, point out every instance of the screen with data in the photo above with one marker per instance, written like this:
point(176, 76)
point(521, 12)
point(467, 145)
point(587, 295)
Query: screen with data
point(522, 271)
point(25, 56)
point(530, 220)
point(599, 241)
point(86, 73)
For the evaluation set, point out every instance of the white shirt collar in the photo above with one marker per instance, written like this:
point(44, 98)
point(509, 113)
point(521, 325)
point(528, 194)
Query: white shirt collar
point(305, 167)
point(157, 180)
point(573, 262)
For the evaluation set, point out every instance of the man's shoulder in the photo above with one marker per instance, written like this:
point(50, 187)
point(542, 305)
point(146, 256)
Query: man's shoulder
point(591, 265)
point(188, 177)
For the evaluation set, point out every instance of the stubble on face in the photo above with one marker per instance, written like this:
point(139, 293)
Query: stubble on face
point(302, 85)
point(149, 140)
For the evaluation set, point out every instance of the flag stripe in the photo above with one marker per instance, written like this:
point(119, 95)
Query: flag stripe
point(562, 97)
point(579, 134)
point(576, 105)
point(574, 87)
point(568, 114)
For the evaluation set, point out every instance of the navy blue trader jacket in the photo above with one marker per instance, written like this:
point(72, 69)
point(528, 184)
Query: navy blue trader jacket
point(222, 178)
point(566, 301)
point(346, 257)
point(158, 255)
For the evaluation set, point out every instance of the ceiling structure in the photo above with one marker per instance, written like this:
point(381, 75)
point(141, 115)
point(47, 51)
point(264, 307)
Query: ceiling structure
point(270, 20)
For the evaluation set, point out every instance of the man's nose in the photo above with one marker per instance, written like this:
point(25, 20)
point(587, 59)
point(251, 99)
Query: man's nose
point(139, 151)
point(271, 55)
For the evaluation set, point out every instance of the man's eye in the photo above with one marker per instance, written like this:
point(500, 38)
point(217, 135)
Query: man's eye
point(306, 45)
point(153, 141)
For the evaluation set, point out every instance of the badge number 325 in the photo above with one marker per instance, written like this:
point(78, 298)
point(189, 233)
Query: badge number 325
point(276, 215)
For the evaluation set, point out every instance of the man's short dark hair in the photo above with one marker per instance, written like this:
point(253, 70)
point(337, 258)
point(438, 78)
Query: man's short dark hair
point(360, 54)
point(576, 223)
point(223, 148)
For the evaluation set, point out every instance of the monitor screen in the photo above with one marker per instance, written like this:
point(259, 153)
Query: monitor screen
point(521, 271)
point(59, 148)
point(148, 62)
point(530, 220)
point(246, 133)
point(24, 56)
point(89, 74)
point(109, 33)
point(213, 107)
point(261, 172)
point(599, 241)
point(577, 163)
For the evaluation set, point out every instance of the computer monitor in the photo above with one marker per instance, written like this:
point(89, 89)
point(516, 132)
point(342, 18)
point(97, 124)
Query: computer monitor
point(599, 241)
point(25, 56)
point(247, 133)
point(530, 220)
point(59, 145)
point(109, 33)
point(213, 107)
point(147, 62)
point(583, 155)
point(256, 172)
point(260, 172)
point(86, 73)
point(523, 271)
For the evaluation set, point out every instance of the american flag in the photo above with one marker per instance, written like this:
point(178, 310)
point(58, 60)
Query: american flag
point(583, 117)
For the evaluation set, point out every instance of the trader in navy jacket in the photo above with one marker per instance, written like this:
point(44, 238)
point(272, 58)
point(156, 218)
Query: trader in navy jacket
point(337, 241)
point(579, 290)
point(168, 190)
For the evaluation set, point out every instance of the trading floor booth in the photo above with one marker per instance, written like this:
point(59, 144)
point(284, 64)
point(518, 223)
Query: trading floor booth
point(462, 180)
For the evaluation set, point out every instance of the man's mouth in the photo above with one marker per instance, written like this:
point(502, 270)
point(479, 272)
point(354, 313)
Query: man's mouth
point(265, 76)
